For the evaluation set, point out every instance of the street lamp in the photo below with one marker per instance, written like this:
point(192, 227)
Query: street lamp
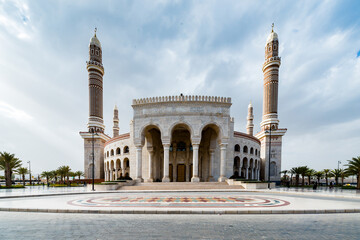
point(269, 157)
point(339, 162)
point(93, 159)
point(29, 171)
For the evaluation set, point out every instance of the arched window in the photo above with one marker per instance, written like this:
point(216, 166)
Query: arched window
point(245, 149)
point(108, 153)
point(126, 149)
point(118, 151)
point(112, 152)
point(237, 148)
point(127, 163)
point(255, 152)
point(251, 151)
point(181, 147)
point(273, 169)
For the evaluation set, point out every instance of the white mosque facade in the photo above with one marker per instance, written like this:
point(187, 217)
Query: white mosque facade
point(183, 138)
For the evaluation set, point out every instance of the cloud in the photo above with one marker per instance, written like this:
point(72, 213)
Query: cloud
point(8, 111)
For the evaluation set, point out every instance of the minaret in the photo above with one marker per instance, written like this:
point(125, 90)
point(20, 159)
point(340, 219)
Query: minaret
point(96, 73)
point(250, 119)
point(270, 112)
point(116, 122)
point(94, 137)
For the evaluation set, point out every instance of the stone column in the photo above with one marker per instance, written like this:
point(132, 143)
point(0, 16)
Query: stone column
point(253, 173)
point(138, 176)
point(151, 160)
point(222, 177)
point(211, 164)
point(247, 172)
point(166, 162)
point(258, 173)
point(195, 177)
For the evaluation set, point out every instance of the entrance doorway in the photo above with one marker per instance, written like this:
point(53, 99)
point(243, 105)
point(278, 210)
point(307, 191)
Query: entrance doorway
point(181, 173)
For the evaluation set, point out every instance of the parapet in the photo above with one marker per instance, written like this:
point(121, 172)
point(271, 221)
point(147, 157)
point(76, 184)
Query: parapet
point(181, 98)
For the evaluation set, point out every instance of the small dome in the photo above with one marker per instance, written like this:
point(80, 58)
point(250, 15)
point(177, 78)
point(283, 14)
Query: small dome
point(95, 41)
point(273, 36)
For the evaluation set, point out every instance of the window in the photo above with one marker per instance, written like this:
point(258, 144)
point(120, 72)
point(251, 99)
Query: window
point(237, 148)
point(181, 147)
point(251, 151)
point(255, 152)
point(118, 151)
point(245, 150)
point(126, 149)
point(112, 152)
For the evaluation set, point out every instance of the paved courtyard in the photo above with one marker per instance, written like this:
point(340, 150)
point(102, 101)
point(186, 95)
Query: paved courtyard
point(18, 225)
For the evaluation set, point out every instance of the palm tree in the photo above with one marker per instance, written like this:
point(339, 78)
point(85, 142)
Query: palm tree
point(318, 175)
point(46, 175)
point(310, 172)
point(343, 174)
point(64, 172)
point(303, 170)
point(297, 172)
point(327, 173)
point(354, 169)
point(22, 171)
point(79, 174)
point(337, 174)
point(284, 172)
point(8, 163)
point(54, 175)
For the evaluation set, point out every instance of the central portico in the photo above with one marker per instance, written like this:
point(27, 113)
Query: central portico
point(181, 138)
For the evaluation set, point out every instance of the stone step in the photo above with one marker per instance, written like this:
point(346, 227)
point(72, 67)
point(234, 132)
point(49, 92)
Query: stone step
point(181, 186)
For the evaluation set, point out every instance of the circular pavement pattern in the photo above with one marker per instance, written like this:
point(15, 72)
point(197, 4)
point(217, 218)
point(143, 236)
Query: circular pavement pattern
point(183, 201)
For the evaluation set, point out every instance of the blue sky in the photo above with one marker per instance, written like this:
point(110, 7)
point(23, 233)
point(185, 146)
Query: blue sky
point(153, 48)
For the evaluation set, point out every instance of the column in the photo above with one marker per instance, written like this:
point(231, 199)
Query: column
point(123, 168)
point(247, 173)
point(222, 177)
point(195, 177)
point(258, 173)
point(151, 160)
point(138, 176)
point(211, 164)
point(166, 162)
point(253, 173)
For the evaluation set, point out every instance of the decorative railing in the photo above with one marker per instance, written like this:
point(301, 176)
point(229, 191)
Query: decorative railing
point(182, 98)
point(94, 63)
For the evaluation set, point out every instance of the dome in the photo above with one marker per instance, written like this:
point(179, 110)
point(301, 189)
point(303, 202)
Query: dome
point(273, 36)
point(95, 41)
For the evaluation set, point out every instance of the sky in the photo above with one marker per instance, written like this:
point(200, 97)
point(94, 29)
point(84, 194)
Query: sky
point(158, 48)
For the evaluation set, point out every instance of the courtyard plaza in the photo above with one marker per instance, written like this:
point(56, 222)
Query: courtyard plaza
point(187, 201)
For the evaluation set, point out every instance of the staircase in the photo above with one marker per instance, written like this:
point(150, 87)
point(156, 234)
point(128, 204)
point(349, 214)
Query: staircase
point(182, 186)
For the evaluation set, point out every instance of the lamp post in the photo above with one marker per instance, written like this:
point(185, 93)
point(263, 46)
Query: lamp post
point(29, 171)
point(269, 156)
point(93, 159)
point(339, 162)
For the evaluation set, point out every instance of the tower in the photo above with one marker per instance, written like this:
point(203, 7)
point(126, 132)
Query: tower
point(270, 121)
point(250, 119)
point(94, 138)
point(116, 122)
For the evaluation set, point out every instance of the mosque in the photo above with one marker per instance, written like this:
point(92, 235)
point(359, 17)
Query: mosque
point(184, 138)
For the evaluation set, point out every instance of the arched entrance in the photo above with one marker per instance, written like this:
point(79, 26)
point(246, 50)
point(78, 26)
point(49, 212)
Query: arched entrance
point(207, 151)
point(180, 154)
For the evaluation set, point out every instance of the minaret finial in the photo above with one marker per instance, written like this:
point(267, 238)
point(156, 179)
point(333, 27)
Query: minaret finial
point(272, 27)
point(95, 31)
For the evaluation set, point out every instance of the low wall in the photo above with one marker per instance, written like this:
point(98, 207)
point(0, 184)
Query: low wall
point(250, 185)
point(110, 185)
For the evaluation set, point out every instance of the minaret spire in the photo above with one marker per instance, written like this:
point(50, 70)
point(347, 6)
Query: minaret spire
point(250, 120)
point(116, 122)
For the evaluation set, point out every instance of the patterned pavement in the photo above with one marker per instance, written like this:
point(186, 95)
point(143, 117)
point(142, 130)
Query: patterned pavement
point(180, 201)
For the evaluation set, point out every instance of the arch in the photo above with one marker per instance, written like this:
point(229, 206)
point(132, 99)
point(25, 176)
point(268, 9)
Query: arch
point(117, 169)
point(251, 150)
point(236, 167)
point(147, 127)
point(112, 152)
point(273, 169)
point(118, 151)
point(180, 124)
point(126, 150)
point(216, 126)
point(256, 152)
point(245, 149)
point(237, 148)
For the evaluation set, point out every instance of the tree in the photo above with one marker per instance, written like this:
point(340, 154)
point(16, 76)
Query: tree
point(79, 174)
point(46, 175)
point(22, 171)
point(303, 170)
point(354, 169)
point(54, 175)
point(309, 173)
point(8, 163)
point(64, 171)
point(319, 175)
point(336, 173)
point(343, 174)
point(326, 173)
point(297, 172)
